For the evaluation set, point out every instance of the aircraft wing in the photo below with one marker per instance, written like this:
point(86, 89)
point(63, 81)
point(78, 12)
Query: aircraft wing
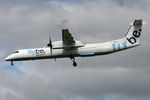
point(68, 42)
point(67, 37)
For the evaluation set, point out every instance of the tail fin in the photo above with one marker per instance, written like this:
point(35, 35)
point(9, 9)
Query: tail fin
point(134, 32)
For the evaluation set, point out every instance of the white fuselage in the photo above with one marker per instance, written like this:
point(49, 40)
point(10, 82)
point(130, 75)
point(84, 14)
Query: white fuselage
point(86, 50)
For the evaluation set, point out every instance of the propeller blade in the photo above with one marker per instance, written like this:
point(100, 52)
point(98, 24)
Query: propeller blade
point(50, 42)
point(50, 45)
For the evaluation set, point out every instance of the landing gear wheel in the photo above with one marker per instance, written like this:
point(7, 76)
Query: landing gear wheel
point(73, 60)
point(74, 64)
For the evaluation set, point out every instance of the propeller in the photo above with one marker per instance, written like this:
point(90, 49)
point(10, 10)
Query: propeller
point(50, 45)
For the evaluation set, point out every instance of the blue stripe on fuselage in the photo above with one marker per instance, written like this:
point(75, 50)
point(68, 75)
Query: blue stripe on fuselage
point(84, 54)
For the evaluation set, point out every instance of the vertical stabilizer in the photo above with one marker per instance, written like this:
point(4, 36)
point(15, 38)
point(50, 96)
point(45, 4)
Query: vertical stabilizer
point(134, 32)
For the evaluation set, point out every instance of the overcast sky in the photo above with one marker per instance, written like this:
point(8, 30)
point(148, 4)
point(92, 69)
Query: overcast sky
point(28, 23)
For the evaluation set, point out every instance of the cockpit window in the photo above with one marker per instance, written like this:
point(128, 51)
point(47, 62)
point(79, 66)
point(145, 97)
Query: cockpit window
point(16, 51)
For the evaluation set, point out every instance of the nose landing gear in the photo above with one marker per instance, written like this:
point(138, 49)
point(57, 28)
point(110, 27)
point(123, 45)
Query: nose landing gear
point(12, 63)
point(73, 60)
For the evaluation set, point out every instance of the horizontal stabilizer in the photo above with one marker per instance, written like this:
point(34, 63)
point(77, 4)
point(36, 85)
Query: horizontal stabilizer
point(137, 22)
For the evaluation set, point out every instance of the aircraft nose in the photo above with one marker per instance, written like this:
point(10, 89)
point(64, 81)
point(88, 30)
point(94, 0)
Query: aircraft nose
point(8, 58)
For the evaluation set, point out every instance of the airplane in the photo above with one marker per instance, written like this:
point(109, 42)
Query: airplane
point(71, 48)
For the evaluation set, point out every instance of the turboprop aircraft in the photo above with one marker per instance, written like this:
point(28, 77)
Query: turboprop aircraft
point(71, 48)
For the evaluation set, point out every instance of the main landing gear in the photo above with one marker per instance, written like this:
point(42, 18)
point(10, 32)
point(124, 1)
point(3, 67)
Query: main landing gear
point(73, 60)
point(12, 63)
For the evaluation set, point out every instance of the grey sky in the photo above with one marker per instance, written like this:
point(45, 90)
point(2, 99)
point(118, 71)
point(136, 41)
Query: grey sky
point(28, 24)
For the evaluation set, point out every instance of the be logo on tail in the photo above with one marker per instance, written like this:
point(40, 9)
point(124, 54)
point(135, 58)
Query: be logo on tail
point(135, 34)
